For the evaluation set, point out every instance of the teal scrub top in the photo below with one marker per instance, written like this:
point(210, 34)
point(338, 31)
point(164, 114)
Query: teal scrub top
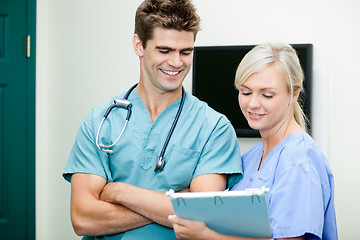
point(301, 197)
point(203, 142)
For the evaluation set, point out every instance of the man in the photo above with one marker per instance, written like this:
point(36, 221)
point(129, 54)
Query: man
point(115, 191)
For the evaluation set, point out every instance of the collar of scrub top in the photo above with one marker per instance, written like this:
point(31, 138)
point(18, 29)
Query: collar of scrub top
point(125, 103)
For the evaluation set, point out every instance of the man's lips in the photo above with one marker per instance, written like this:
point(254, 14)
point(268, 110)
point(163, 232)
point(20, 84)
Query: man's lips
point(171, 73)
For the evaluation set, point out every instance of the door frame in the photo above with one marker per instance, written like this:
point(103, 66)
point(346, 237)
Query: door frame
point(31, 117)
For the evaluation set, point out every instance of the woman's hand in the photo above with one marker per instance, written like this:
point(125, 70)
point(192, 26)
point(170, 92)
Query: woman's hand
point(195, 230)
point(189, 229)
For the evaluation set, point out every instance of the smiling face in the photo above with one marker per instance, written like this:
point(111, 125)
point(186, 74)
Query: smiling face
point(265, 100)
point(166, 60)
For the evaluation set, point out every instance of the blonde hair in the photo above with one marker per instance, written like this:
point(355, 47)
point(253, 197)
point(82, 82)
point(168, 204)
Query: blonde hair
point(282, 54)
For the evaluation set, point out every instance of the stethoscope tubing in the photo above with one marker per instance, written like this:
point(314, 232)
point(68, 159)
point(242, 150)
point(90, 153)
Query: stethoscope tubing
point(124, 103)
point(102, 146)
point(162, 153)
point(105, 148)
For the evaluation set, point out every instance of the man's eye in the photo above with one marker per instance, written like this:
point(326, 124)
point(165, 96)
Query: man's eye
point(164, 51)
point(186, 53)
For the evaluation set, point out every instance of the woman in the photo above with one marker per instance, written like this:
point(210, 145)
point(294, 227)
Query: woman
point(288, 161)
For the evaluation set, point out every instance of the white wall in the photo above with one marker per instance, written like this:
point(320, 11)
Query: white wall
point(84, 57)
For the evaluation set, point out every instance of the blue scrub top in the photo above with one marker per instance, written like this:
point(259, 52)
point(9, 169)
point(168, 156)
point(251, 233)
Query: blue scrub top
point(203, 142)
point(301, 197)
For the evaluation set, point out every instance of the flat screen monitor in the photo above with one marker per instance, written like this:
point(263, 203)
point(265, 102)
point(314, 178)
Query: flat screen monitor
point(214, 69)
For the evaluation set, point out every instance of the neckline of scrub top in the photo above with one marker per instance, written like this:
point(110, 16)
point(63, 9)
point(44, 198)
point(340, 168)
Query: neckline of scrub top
point(134, 96)
point(167, 115)
point(275, 149)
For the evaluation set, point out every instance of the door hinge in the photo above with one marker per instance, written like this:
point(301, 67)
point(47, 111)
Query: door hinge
point(28, 46)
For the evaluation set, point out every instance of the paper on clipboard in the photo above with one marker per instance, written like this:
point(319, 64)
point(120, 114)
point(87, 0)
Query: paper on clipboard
point(237, 213)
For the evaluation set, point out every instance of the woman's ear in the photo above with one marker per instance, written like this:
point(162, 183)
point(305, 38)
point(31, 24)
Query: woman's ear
point(295, 95)
point(137, 45)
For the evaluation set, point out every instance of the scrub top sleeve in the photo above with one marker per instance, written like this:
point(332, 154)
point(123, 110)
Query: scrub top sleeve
point(295, 202)
point(84, 156)
point(221, 153)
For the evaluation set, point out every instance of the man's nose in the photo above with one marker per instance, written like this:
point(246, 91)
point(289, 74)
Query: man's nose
point(175, 60)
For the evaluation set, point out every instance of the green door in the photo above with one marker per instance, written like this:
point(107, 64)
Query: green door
point(17, 120)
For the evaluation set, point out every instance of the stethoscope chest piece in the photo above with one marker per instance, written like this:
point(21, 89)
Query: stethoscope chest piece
point(160, 163)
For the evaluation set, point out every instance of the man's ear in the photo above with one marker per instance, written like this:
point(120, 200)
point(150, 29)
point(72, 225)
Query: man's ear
point(138, 46)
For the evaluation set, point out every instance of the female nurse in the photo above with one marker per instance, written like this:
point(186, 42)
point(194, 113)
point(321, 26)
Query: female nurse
point(287, 161)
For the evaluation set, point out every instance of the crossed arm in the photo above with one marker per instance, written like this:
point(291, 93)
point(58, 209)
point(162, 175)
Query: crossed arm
point(92, 216)
point(98, 208)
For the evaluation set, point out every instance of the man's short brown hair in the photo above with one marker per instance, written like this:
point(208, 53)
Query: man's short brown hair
point(169, 14)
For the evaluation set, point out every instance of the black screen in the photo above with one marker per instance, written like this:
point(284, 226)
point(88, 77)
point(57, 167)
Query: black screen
point(214, 71)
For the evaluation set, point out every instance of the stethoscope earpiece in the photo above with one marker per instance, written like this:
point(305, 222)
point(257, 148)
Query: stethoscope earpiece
point(103, 148)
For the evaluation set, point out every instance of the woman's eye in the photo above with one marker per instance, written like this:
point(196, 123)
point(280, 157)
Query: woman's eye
point(268, 96)
point(245, 93)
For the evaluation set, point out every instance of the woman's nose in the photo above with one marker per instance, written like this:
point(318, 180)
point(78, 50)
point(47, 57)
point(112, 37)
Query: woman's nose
point(254, 102)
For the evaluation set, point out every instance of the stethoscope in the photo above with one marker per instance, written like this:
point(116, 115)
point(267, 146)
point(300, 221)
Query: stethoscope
point(125, 103)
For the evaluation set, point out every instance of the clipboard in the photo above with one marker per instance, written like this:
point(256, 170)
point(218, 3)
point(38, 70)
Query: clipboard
point(236, 213)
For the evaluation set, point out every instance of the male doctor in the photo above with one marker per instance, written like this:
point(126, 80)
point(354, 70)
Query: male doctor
point(122, 195)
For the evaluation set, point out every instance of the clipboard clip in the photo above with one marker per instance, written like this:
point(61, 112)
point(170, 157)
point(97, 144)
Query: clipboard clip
point(170, 193)
point(256, 192)
point(218, 201)
point(181, 202)
point(255, 199)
